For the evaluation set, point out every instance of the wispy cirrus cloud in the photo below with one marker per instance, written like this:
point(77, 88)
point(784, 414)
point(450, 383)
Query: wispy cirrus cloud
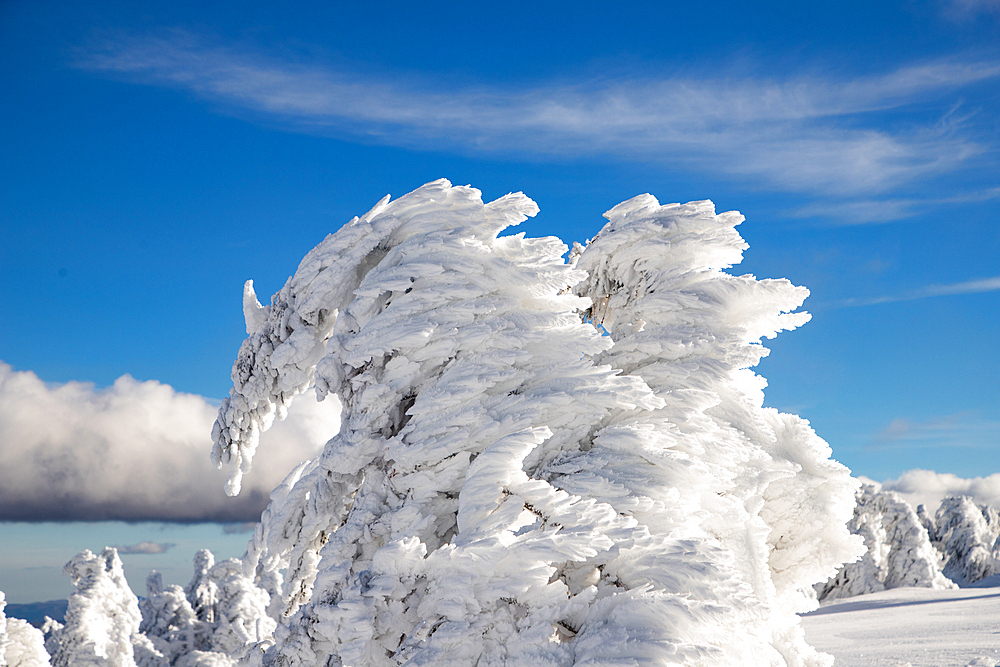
point(146, 548)
point(960, 429)
point(965, 287)
point(873, 211)
point(806, 133)
point(966, 9)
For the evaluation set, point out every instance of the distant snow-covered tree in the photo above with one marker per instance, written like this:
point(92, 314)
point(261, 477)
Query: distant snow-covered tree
point(202, 592)
point(21, 645)
point(218, 613)
point(899, 549)
point(510, 486)
point(102, 618)
point(50, 632)
point(239, 614)
point(167, 618)
point(927, 521)
point(969, 537)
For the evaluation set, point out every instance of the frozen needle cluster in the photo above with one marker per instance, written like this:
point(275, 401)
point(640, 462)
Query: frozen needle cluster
point(541, 462)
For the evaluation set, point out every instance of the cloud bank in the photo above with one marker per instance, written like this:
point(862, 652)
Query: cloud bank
point(136, 451)
point(928, 488)
point(805, 133)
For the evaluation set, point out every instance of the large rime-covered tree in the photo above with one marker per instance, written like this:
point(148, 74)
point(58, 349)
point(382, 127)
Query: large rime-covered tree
point(540, 462)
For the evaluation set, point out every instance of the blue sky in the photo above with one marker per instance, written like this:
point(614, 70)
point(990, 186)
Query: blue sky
point(156, 155)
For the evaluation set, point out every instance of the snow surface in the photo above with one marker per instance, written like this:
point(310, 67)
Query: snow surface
point(915, 627)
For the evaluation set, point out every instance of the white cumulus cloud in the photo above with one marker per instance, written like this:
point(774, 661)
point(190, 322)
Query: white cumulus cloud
point(928, 488)
point(134, 451)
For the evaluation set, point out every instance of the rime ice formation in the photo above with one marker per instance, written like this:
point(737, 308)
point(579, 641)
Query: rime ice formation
point(20, 644)
point(510, 486)
point(960, 545)
point(969, 536)
point(899, 549)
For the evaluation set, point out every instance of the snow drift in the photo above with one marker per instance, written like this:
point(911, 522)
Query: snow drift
point(510, 485)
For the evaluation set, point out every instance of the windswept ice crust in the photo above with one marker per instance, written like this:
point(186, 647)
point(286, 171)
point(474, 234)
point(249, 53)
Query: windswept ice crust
point(509, 485)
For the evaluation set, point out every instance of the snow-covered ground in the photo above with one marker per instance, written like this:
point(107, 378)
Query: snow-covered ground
point(919, 627)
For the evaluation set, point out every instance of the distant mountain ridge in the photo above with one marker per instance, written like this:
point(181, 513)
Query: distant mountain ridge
point(35, 612)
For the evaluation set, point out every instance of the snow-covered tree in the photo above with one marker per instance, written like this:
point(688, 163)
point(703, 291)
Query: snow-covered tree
point(761, 481)
point(202, 592)
point(969, 537)
point(899, 549)
point(167, 618)
point(218, 613)
point(511, 486)
point(21, 645)
point(239, 613)
point(927, 521)
point(102, 618)
point(50, 633)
